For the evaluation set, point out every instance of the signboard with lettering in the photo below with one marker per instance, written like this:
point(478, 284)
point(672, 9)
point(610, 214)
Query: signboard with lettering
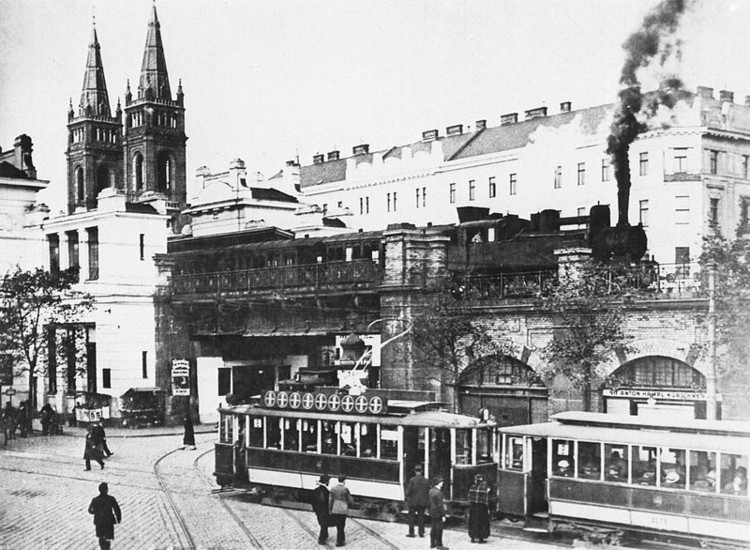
point(326, 402)
point(6, 369)
point(675, 395)
point(180, 377)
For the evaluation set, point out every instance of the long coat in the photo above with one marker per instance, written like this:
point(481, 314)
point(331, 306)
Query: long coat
point(437, 505)
point(320, 504)
point(93, 450)
point(106, 513)
point(189, 437)
point(418, 491)
point(340, 500)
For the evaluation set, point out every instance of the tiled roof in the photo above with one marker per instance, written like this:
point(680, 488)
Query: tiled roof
point(325, 172)
point(8, 170)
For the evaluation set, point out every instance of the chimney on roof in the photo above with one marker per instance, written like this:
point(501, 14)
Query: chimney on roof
point(538, 112)
point(292, 163)
point(705, 92)
point(362, 149)
point(455, 130)
point(510, 118)
point(565, 107)
point(333, 155)
point(429, 135)
point(480, 125)
point(726, 95)
point(319, 158)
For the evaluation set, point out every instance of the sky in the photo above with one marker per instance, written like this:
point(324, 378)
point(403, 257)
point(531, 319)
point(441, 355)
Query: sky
point(274, 80)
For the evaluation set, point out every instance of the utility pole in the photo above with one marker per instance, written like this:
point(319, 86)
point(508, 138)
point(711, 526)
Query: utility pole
point(711, 373)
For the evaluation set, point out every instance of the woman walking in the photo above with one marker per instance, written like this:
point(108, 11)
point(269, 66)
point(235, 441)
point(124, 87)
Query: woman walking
point(479, 510)
point(188, 440)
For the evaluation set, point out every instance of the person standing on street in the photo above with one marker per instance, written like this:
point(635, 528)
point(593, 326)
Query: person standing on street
point(479, 510)
point(106, 513)
point(188, 439)
point(437, 514)
point(100, 439)
point(22, 418)
point(320, 504)
point(47, 414)
point(340, 500)
point(417, 500)
point(9, 421)
point(92, 450)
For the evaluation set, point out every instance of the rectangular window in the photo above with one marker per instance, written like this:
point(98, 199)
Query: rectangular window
point(225, 381)
point(144, 364)
point(672, 462)
point(643, 213)
point(73, 257)
point(682, 210)
point(106, 378)
point(643, 164)
point(682, 255)
point(745, 166)
point(417, 197)
point(680, 159)
point(558, 177)
point(563, 458)
point(713, 211)
point(512, 184)
point(605, 169)
point(616, 465)
point(142, 246)
point(472, 189)
point(589, 460)
point(580, 212)
point(92, 237)
point(361, 205)
point(581, 173)
point(394, 201)
point(493, 187)
point(52, 358)
point(713, 162)
point(514, 453)
point(644, 465)
point(53, 241)
point(424, 197)
point(367, 205)
point(452, 189)
point(389, 202)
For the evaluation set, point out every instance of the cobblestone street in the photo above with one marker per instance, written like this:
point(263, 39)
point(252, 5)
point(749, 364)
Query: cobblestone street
point(167, 499)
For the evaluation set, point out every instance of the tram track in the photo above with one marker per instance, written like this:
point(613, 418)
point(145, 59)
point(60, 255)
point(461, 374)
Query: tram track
point(168, 494)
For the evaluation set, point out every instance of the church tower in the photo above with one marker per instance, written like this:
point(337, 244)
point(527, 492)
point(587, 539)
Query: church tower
point(154, 134)
point(94, 138)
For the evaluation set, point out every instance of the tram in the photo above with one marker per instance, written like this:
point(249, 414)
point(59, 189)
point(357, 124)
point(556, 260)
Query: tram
point(630, 475)
point(279, 447)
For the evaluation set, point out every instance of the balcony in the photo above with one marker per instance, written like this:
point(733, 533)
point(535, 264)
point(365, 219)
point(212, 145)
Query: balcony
point(332, 276)
point(506, 285)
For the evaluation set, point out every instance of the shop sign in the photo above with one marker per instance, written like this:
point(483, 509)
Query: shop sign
point(658, 394)
point(180, 377)
point(328, 402)
point(6, 369)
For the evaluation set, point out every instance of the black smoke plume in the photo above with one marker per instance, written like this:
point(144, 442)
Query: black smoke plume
point(641, 47)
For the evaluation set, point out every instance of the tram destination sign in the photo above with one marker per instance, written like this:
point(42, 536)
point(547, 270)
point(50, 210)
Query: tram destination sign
point(326, 402)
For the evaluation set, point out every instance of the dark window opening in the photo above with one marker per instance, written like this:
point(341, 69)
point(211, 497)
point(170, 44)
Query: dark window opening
point(144, 364)
point(225, 381)
point(93, 250)
point(106, 378)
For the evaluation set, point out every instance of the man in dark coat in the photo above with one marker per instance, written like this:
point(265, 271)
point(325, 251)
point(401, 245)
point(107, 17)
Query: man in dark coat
point(479, 510)
point(106, 513)
point(320, 505)
point(437, 514)
point(92, 451)
point(417, 499)
point(100, 438)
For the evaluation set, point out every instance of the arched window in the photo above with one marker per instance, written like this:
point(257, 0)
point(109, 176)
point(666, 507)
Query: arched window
point(80, 190)
point(661, 372)
point(164, 172)
point(102, 179)
point(499, 370)
point(138, 172)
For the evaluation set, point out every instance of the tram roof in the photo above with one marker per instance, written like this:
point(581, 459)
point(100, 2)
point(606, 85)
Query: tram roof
point(428, 419)
point(635, 422)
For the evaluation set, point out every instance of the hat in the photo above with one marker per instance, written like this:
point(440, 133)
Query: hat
point(324, 479)
point(563, 464)
point(418, 468)
point(437, 480)
point(672, 477)
point(478, 478)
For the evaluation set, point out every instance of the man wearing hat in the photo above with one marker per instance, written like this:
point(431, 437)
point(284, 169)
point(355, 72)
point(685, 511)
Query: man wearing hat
point(320, 506)
point(417, 499)
point(437, 514)
point(479, 509)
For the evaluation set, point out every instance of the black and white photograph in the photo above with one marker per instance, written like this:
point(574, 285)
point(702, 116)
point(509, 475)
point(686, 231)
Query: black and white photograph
point(397, 274)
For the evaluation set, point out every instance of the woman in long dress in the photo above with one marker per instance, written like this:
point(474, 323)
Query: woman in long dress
point(188, 440)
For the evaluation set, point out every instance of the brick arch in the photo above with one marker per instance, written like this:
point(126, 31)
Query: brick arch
point(523, 354)
point(646, 347)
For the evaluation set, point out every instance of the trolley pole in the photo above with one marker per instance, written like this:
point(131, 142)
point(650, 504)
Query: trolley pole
point(711, 374)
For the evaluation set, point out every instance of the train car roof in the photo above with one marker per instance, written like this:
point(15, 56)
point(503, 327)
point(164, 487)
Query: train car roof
point(428, 419)
point(638, 422)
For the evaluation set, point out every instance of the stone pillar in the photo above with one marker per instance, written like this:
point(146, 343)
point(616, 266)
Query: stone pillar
point(570, 260)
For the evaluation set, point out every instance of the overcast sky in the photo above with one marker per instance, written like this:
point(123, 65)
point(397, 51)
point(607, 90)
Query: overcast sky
point(267, 81)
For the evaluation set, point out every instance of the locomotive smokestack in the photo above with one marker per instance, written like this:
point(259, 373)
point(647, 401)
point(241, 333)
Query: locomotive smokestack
point(640, 47)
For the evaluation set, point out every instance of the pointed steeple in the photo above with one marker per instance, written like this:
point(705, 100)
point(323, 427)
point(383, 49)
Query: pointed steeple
point(154, 75)
point(94, 98)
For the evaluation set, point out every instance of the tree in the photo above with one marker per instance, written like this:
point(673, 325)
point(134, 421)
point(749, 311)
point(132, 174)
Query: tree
point(587, 306)
point(448, 336)
point(30, 302)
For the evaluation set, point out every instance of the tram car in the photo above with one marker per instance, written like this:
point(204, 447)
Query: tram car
point(614, 475)
point(279, 447)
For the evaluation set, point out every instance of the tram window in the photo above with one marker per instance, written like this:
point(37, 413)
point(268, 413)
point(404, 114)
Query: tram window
point(291, 434)
point(388, 444)
point(310, 436)
point(616, 463)
point(346, 435)
point(484, 445)
point(328, 433)
point(514, 453)
point(589, 460)
point(226, 432)
point(672, 468)
point(644, 465)
point(368, 440)
point(255, 431)
point(734, 474)
point(463, 446)
point(702, 471)
point(563, 461)
point(273, 433)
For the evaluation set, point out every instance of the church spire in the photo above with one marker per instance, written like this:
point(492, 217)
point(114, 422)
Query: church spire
point(94, 98)
point(154, 82)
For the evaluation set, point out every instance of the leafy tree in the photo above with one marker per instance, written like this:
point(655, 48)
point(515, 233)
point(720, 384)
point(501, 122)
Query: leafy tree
point(31, 301)
point(587, 306)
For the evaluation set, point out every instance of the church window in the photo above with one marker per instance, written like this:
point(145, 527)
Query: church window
point(80, 194)
point(164, 172)
point(138, 172)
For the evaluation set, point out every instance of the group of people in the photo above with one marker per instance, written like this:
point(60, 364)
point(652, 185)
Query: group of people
point(331, 507)
point(16, 419)
point(96, 446)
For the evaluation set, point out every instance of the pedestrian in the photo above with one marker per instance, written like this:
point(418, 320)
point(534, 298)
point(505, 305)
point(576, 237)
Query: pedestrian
point(9, 418)
point(106, 513)
point(479, 510)
point(46, 418)
point(340, 500)
point(417, 500)
point(188, 439)
point(92, 451)
point(320, 504)
point(100, 439)
point(22, 418)
point(437, 514)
